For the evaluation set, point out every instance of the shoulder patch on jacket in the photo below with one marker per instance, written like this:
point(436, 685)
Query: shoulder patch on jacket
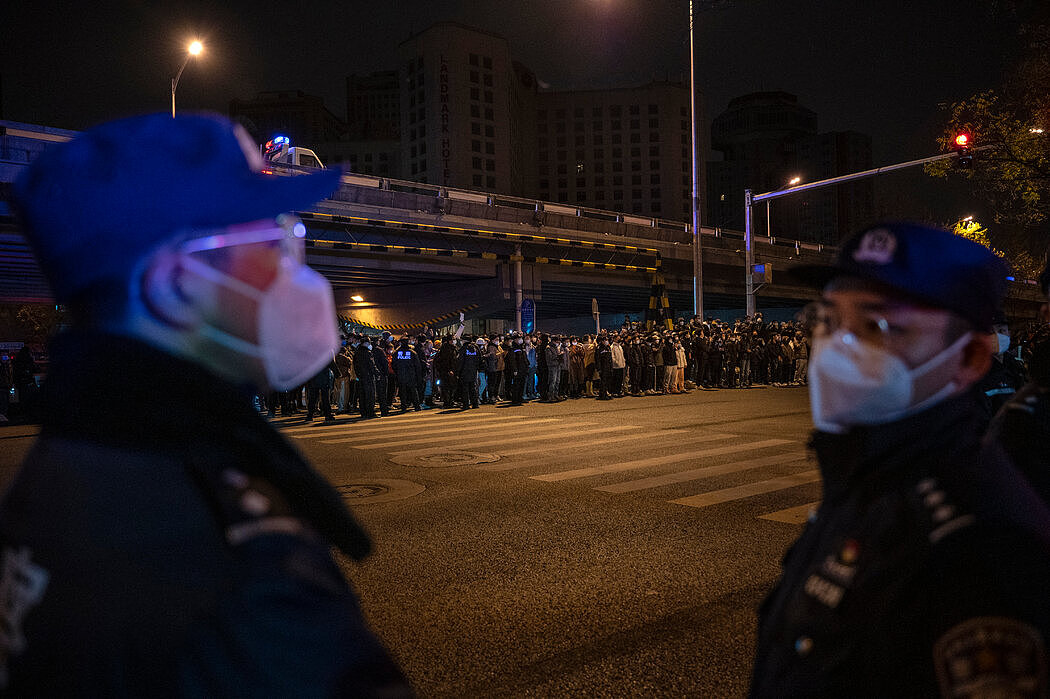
point(991, 656)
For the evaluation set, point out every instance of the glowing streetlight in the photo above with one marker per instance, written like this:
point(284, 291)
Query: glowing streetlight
point(793, 181)
point(193, 50)
point(357, 298)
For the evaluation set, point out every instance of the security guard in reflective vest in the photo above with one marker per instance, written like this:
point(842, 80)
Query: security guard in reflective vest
point(469, 361)
point(924, 571)
point(408, 369)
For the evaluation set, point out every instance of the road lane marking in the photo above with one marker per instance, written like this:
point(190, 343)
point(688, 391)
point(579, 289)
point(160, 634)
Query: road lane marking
point(747, 490)
point(792, 515)
point(435, 427)
point(658, 460)
point(407, 420)
point(436, 438)
point(573, 445)
point(560, 434)
point(699, 473)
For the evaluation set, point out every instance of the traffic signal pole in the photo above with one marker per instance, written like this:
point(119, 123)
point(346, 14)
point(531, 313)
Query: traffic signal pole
point(751, 199)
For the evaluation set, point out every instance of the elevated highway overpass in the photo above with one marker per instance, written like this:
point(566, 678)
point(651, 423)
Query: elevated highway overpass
point(418, 254)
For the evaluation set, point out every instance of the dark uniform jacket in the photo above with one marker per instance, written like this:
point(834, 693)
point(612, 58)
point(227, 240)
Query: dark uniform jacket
point(407, 366)
point(162, 539)
point(365, 364)
point(1022, 428)
point(924, 571)
point(468, 362)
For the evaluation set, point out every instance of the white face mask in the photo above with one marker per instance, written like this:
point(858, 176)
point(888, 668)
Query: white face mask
point(295, 322)
point(1004, 342)
point(856, 383)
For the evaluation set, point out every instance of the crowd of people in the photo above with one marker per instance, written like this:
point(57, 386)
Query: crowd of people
point(465, 371)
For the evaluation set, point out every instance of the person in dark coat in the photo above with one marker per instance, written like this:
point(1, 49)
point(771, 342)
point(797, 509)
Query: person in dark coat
point(445, 364)
point(516, 368)
point(924, 570)
point(384, 374)
point(407, 369)
point(469, 363)
point(161, 537)
point(604, 360)
point(319, 392)
point(367, 376)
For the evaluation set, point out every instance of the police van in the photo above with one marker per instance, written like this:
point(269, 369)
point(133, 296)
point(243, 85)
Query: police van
point(280, 150)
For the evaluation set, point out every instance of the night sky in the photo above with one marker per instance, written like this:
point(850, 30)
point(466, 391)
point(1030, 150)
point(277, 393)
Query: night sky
point(880, 67)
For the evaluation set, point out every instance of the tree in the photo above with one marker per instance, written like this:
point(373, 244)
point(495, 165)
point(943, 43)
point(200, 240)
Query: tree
point(1013, 120)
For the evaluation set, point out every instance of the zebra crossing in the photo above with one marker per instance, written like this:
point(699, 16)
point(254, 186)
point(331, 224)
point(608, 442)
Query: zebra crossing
point(529, 444)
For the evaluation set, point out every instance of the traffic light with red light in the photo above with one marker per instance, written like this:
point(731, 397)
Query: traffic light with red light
point(962, 147)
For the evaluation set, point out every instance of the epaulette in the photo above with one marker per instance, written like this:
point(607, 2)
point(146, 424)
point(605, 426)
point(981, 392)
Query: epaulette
point(942, 515)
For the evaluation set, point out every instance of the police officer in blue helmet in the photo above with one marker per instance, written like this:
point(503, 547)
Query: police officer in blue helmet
point(161, 539)
point(924, 570)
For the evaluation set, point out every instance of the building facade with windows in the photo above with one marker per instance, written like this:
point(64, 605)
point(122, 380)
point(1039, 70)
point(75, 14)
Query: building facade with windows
point(622, 149)
point(467, 111)
point(767, 139)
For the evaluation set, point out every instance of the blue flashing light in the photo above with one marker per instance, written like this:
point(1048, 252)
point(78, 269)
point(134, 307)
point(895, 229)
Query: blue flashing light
point(760, 269)
point(1010, 279)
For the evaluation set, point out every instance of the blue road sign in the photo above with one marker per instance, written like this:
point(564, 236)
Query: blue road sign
point(528, 315)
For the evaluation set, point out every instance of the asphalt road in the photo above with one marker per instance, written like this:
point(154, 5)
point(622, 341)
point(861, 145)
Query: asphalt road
point(585, 548)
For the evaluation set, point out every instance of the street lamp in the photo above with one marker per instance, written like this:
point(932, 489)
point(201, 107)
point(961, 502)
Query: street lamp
point(790, 183)
point(194, 49)
point(698, 273)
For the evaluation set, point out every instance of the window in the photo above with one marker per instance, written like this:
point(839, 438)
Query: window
point(475, 93)
point(636, 179)
point(617, 152)
point(490, 147)
point(616, 124)
point(596, 111)
point(654, 164)
point(636, 152)
point(617, 138)
point(560, 127)
point(636, 165)
point(475, 163)
point(635, 109)
point(474, 62)
point(581, 182)
point(597, 140)
point(599, 195)
point(599, 181)
point(654, 193)
point(476, 179)
point(597, 126)
point(618, 196)
point(474, 76)
point(654, 137)
point(490, 165)
point(489, 114)
point(580, 140)
point(635, 124)
point(488, 96)
point(490, 131)
point(475, 128)
point(636, 138)
point(486, 62)
point(544, 156)
point(599, 167)
point(654, 123)
point(615, 110)
point(579, 167)
point(653, 109)
point(475, 111)
point(581, 196)
point(488, 80)
point(654, 151)
point(617, 180)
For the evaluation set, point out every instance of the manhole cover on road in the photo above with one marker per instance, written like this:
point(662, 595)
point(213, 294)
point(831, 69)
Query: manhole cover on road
point(445, 458)
point(379, 490)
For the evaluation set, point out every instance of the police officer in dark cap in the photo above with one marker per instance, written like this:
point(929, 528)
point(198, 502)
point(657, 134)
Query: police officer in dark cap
point(1022, 426)
point(161, 538)
point(925, 569)
point(407, 368)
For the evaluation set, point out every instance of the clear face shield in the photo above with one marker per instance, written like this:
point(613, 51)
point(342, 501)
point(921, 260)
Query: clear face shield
point(265, 303)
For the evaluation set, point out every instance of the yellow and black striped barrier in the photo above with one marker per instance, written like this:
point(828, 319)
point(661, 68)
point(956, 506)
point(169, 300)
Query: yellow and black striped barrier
point(501, 257)
point(659, 311)
point(436, 320)
point(517, 237)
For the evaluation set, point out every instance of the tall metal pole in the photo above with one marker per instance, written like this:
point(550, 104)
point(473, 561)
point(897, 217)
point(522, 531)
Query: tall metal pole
point(175, 82)
point(518, 295)
point(749, 255)
point(698, 269)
